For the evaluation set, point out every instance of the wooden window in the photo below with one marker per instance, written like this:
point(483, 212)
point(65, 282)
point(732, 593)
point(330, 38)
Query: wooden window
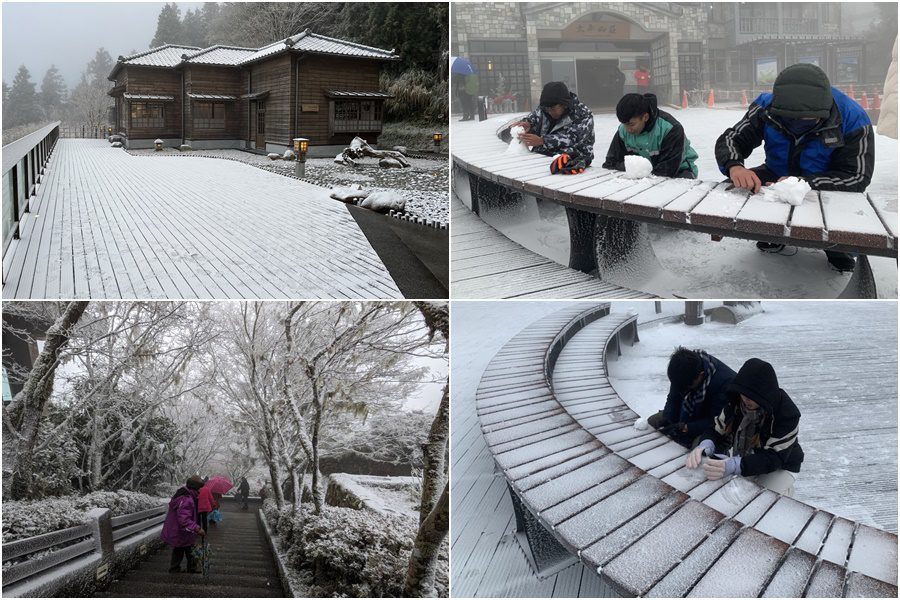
point(147, 115)
point(209, 115)
point(357, 116)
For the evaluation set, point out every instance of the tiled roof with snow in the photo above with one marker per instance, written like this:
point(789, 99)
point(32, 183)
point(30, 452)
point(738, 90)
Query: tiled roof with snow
point(164, 56)
point(220, 55)
point(313, 42)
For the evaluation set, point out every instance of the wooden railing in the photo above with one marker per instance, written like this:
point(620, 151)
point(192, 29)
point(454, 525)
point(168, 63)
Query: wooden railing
point(92, 132)
point(24, 162)
point(94, 541)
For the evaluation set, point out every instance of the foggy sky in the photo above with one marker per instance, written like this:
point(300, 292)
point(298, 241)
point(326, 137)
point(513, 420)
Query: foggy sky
point(67, 34)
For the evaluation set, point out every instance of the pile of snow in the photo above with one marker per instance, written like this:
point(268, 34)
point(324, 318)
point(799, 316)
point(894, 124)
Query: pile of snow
point(288, 155)
point(117, 144)
point(516, 146)
point(790, 191)
point(273, 156)
point(641, 424)
point(349, 193)
point(637, 167)
point(384, 201)
point(400, 149)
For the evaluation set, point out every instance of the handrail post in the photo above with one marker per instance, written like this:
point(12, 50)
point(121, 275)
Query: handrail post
point(102, 534)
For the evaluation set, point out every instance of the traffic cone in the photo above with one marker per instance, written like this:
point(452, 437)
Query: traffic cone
point(744, 98)
point(852, 94)
point(712, 100)
point(864, 102)
point(684, 103)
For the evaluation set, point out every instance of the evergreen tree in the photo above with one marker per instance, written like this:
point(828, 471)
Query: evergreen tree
point(53, 94)
point(193, 29)
point(90, 101)
point(5, 105)
point(168, 26)
point(22, 101)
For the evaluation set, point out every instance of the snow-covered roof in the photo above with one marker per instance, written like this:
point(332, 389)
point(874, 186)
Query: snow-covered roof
point(356, 94)
point(212, 97)
point(220, 55)
point(149, 97)
point(164, 56)
point(320, 44)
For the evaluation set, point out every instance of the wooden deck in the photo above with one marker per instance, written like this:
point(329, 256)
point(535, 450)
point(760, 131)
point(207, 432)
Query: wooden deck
point(106, 225)
point(834, 220)
point(487, 264)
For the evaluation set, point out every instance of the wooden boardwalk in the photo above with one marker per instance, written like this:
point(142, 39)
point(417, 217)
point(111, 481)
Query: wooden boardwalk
point(487, 264)
point(105, 225)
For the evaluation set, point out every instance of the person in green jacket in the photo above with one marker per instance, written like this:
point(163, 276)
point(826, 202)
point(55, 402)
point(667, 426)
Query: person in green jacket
point(654, 134)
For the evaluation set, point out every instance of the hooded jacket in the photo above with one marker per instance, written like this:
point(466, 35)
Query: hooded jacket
point(205, 500)
point(572, 134)
point(838, 154)
point(182, 523)
point(778, 446)
point(662, 142)
point(705, 411)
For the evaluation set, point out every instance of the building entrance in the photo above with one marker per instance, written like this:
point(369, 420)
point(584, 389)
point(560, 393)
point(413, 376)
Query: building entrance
point(597, 85)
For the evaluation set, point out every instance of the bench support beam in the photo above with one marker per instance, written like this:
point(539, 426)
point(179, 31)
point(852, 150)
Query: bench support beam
point(545, 555)
point(862, 283)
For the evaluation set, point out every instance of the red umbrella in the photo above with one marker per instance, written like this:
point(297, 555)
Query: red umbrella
point(219, 484)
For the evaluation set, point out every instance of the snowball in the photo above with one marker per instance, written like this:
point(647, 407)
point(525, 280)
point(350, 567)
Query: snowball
point(641, 424)
point(274, 156)
point(790, 191)
point(515, 145)
point(637, 167)
point(383, 201)
point(348, 193)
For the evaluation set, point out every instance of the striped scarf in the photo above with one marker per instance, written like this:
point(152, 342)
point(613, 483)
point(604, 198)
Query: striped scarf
point(695, 396)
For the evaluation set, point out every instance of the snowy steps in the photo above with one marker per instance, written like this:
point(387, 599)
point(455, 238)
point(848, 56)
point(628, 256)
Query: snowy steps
point(487, 264)
point(839, 220)
point(622, 501)
point(106, 225)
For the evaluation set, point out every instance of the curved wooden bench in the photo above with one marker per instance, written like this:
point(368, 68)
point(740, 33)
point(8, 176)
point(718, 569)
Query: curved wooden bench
point(848, 222)
point(585, 482)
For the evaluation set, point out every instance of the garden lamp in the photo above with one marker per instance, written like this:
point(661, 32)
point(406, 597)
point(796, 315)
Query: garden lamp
point(158, 145)
point(301, 146)
point(437, 137)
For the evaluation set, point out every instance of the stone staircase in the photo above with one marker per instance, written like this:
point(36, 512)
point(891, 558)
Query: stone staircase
point(241, 565)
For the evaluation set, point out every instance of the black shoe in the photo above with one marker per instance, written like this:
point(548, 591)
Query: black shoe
point(767, 247)
point(841, 261)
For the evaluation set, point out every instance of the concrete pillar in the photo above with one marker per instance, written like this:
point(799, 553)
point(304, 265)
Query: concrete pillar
point(693, 313)
point(101, 529)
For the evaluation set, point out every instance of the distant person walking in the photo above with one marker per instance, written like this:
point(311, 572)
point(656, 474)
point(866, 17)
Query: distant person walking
point(205, 504)
point(182, 525)
point(244, 489)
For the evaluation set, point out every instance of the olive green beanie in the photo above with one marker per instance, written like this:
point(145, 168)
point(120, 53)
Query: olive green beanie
point(802, 90)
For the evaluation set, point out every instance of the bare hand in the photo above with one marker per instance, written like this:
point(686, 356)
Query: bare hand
point(714, 469)
point(201, 533)
point(744, 179)
point(523, 124)
point(694, 458)
point(531, 139)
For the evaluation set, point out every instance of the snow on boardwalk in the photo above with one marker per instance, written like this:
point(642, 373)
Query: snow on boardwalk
point(105, 224)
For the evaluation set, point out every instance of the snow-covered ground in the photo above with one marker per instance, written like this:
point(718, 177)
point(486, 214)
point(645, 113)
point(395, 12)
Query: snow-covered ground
point(423, 185)
point(695, 266)
point(837, 361)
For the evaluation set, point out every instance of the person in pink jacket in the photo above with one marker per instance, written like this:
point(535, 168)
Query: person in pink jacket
point(182, 525)
point(205, 505)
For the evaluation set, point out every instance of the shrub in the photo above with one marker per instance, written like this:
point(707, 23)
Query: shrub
point(418, 95)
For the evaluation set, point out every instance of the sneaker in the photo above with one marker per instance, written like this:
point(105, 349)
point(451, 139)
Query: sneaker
point(841, 261)
point(767, 247)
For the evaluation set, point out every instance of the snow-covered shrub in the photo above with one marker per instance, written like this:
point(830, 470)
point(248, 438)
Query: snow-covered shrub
point(288, 155)
point(416, 94)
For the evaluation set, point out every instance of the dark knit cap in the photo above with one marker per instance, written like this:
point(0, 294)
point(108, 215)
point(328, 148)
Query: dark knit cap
point(802, 90)
point(554, 93)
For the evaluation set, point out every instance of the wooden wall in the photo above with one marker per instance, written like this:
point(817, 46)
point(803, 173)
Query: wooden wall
point(206, 79)
point(159, 82)
point(274, 76)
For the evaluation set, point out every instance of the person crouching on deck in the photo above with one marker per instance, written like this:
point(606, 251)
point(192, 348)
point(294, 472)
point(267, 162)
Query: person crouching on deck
point(808, 130)
point(562, 127)
point(760, 427)
point(698, 382)
point(654, 134)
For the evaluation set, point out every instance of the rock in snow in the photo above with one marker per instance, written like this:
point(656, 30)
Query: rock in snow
point(390, 163)
point(790, 191)
point(348, 193)
point(516, 146)
point(637, 167)
point(288, 155)
point(383, 201)
point(273, 156)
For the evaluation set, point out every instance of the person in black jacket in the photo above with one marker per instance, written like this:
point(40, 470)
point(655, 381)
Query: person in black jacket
point(809, 130)
point(760, 427)
point(697, 393)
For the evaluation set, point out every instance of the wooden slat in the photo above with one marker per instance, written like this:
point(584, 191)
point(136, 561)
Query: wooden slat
point(719, 208)
point(851, 219)
point(807, 221)
point(650, 203)
point(763, 217)
point(679, 209)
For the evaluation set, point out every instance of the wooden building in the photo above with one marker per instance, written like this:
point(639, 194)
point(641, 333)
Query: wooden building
point(309, 85)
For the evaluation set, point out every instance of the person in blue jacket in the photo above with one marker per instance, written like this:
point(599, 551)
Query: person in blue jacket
point(809, 130)
point(697, 393)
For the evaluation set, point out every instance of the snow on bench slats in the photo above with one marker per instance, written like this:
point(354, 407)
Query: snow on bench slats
point(719, 208)
point(790, 579)
point(650, 202)
point(851, 219)
point(743, 569)
point(887, 218)
point(863, 586)
point(763, 217)
point(593, 195)
point(645, 562)
point(785, 519)
point(615, 200)
point(500, 407)
point(530, 410)
point(729, 503)
point(632, 532)
point(827, 581)
point(678, 210)
point(570, 184)
point(706, 489)
point(840, 536)
point(667, 468)
point(811, 538)
point(598, 520)
point(679, 581)
point(807, 221)
point(521, 420)
point(628, 451)
point(534, 451)
point(556, 471)
point(576, 482)
point(541, 434)
point(751, 513)
point(574, 505)
point(552, 460)
point(874, 554)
